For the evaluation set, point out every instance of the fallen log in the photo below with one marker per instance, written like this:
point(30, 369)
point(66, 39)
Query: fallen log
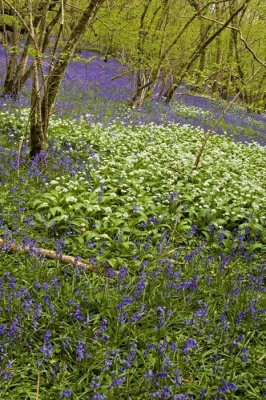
point(51, 255)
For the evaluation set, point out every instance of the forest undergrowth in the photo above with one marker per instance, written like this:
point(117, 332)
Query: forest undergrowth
point(177, 309)
point(180, 311)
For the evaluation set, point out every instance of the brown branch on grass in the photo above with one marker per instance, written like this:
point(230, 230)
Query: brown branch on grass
point(38, 386)
point(51, 255)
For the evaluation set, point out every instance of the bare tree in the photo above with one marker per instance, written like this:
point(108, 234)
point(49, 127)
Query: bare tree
point(18, 68)
point(45, 88)
point(186, 66)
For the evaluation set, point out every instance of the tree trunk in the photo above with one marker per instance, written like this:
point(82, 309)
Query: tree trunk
point(11, 66)
point(185, 68)
point(17, 76)
point(39, 126)
point(218, 53)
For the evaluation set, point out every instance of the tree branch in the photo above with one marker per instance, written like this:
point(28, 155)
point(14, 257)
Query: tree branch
point(50, 254)
point(243, 40)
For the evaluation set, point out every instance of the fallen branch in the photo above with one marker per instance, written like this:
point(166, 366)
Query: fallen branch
point(50, 254)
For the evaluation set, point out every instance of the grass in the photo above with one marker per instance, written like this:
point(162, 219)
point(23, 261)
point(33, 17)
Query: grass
point(180, 312)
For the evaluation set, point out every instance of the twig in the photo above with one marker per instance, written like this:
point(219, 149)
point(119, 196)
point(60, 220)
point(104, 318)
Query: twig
point(23, 23)
point(38, 386)
point(122, 74)
point(50, 254)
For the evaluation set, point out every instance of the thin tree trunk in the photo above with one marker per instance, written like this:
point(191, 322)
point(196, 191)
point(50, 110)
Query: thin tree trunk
point(218, 53)
point(19, 75)
point(185, 68)
point(36, 128)
point(140, 78)
point(23, 75)
point(56, 75)
point(11, 67)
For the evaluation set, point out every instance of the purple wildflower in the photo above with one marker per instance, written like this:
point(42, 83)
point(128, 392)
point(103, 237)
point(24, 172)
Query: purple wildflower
point(98, 396)
point(66, 394)
point(123, 271)
point(125, 301)
point(46, 349)
point(80, 351)
point(227, 387)
point(117, 382)
point(189, 344)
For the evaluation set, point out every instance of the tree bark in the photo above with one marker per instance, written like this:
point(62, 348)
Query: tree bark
point(11, 65)
point(15, 81)
point(51, 87)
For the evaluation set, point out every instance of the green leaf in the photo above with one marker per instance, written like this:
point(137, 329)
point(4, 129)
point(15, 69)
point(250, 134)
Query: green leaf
point(55, 210)
point(42, 206)
point(257, 246)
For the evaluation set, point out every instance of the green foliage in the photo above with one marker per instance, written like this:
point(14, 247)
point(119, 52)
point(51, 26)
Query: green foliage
point(188, 311)
point(127, 176)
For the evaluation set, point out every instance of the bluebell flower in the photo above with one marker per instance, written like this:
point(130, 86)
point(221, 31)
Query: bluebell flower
point(3, 328)
point(126, 300)
point(99, 333)
point(9, 364)
point(173, 346)
point(189, 344)
point(211, 229)
point(15, 329)
point(181, 396)
point(94, 382)
point(203, 393)
point(240, 316)
point(123, 271)
point(122, 317)
point(193, 231)
point(161, 375)
point(118, 381)
point(227, 387)
point(110, 273)
point(190, 256)
point(78, 314)
point(224, 321)
point(244, 355)
point(46, 349)
point(164, 393)
point(66, 394)
point(149, 375)
point(46, 336)
point(98, 396)
point(80, 351)
point(138, 315)
point(7, 375)
point(140, 286)
point(201, 313)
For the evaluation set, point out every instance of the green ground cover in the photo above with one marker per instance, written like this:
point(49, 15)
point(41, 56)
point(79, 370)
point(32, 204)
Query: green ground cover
point(180, 312)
